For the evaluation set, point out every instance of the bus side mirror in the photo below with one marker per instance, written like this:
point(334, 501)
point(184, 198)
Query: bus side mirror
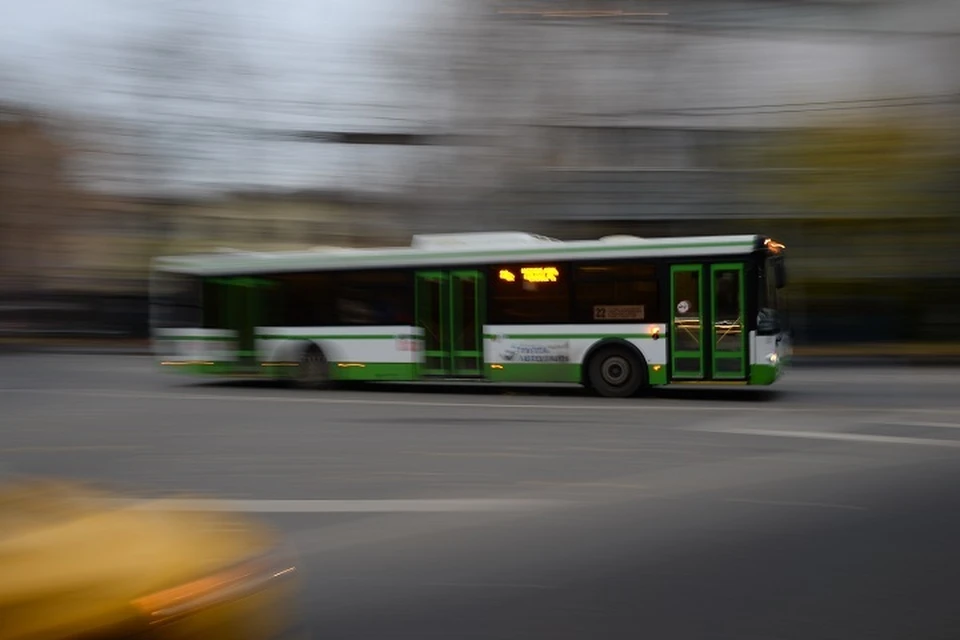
point(768, 324)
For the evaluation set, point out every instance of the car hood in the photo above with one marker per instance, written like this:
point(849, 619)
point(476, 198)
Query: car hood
point(75, 559)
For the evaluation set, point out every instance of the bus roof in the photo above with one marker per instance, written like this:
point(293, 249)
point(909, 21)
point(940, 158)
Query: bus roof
point(443, 250)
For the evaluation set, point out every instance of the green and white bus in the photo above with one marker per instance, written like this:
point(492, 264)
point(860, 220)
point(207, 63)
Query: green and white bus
point(618, 314)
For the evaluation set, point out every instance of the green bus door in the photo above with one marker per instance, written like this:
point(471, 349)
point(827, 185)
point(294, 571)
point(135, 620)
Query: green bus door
point(708, 307)
point(237, 304)
point(449, 307)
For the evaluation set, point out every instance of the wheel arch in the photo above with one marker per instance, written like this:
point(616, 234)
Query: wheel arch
point(293, 350)
point(598, 346)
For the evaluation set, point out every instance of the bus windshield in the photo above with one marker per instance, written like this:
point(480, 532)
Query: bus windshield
point(770, 296)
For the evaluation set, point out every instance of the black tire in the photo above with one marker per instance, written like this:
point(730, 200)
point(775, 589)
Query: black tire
point(313, 370)
point(616, 372)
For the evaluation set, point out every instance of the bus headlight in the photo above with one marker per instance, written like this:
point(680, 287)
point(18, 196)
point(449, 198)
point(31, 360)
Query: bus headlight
point(772, 358)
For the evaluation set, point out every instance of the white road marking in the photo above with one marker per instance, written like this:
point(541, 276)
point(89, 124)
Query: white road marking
point(830, 435)
point(466, 505)
point(631, 406)
point(917, 423)
point(785, 503)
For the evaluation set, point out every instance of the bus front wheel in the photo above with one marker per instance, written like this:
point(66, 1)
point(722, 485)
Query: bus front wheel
point(313, 370)
point(616, 372)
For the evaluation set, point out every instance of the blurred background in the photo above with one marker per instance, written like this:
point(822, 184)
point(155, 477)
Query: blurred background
point(130, 130)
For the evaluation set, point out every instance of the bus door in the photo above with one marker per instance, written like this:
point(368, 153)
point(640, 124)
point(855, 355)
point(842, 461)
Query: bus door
point(708, 308)
point(238, 304)
point(450, 310)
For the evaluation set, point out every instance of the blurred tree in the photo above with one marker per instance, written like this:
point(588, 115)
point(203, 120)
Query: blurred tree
point(469, 73)
point(191, 91)
point(875, 209)
point(883, 168)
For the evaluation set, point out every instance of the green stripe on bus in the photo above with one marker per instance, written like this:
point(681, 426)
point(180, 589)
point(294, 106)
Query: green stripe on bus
point(213, 369)
point(656, 374)
point(534, 372)
point(763, 374)
point(371, 372)
point(199, 338)
point(558, 372)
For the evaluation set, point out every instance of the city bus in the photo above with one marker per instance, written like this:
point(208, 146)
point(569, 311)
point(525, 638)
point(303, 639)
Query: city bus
point(618, 315)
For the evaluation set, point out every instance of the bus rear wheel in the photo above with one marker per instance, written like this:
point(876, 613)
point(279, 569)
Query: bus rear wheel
point(616, 372)
point(313, 371)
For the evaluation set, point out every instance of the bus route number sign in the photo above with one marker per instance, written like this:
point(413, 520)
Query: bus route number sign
point(618, 312)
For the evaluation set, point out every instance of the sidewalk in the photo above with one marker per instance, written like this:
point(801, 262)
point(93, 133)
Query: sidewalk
point(944, 354)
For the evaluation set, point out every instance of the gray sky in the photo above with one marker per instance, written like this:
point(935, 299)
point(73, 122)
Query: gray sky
point(334, 64)
point(321, 64)
point(59, 45)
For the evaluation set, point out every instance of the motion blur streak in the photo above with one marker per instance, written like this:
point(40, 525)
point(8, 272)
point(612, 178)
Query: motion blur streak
point(816, 146)
point(76, 566)
point(831, 126)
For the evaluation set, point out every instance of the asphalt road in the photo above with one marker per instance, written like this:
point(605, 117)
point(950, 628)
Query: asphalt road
point(826, 508)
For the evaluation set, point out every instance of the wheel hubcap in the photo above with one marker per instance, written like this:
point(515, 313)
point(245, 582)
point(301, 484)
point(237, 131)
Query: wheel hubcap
point(615, 370)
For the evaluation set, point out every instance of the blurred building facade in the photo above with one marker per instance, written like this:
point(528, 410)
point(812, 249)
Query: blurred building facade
point(75, 261)
point(830, 125)
point(35, 196)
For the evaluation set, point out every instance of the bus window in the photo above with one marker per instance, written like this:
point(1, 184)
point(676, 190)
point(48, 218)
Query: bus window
point(303, 300)
point(616, 292)
point(374, 298)
point(529, 294)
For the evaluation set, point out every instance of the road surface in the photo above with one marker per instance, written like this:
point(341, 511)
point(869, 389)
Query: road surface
point(828, 507)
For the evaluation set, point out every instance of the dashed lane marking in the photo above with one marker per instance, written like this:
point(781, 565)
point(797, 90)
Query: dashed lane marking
point(841, 437)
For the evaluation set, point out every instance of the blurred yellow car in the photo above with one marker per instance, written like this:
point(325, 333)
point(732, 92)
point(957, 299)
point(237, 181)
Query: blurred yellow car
point(78, 563)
